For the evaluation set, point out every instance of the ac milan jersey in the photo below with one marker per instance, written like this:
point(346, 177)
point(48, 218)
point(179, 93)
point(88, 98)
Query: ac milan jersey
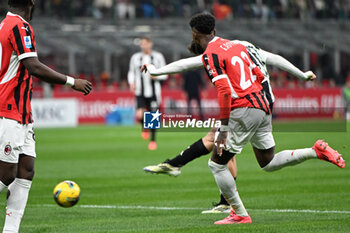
point(17, 42)
point(235, 76)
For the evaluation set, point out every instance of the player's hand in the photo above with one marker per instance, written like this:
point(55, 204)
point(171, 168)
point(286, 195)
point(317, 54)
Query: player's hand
point(82, 86)
point(144, 68)
point(310, 76)
point(132, 87)
point(221, 142)
point(149, 68)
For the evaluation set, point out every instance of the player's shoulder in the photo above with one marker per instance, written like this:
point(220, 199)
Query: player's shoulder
point(214, 45)
point(243, 42)
point(136, 55)
point(247, 44)
point(15, 22)
point(13, 19)
point(224, 46)
point(157, 54)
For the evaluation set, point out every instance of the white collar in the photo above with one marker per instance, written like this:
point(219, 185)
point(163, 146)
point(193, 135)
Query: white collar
point(214, 39)
point(11, 14)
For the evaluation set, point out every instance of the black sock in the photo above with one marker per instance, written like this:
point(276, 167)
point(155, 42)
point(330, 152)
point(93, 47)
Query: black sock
point(141, 122)
point(196, 150)
point(153, 135)
point(222, 200)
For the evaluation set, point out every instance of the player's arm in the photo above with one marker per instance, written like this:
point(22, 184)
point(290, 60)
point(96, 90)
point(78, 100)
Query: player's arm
point(41, 71)
point(175, 67)
point(283, 64)
point(224, 100)
point(161, 63)
point(22, 40)
point(217, 73)
point(131, 74)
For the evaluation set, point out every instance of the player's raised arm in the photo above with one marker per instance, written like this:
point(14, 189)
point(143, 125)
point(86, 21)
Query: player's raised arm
point(161, 63)
point(175, 67)
point(41, 71)
point(284, 64)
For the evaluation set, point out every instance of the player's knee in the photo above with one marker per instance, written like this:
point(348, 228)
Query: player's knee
point(211, 135)
point(215, 167)
point(26, 167)
point(8, 172)
point(9, 177)
point(27, 174)
point(139, 115)
point(208, 140)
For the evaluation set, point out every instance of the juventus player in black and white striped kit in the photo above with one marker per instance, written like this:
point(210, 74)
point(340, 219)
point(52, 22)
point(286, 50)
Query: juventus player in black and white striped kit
point(147, 88)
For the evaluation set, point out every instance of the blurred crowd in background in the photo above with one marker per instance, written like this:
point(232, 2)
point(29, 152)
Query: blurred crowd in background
point(265, 10)
point(129, 9)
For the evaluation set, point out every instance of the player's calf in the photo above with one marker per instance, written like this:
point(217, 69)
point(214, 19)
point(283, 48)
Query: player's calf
point(26, 167)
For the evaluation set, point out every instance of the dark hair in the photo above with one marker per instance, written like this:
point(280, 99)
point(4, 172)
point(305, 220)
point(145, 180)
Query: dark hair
point(18, 3)
point(203, 22)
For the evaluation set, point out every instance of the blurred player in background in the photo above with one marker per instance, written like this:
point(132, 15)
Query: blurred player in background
point(19, 62)
point(205, 145)
point(246, 108)
point(192, 84)
point(147, 88)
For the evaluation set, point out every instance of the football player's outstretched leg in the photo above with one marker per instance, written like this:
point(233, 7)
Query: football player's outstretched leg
point(269, 161)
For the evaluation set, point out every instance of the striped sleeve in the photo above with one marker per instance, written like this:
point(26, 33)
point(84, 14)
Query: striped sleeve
point(216, 70)
point(23, 41)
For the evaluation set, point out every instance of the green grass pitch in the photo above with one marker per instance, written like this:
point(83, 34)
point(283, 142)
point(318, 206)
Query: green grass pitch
point(117, 196)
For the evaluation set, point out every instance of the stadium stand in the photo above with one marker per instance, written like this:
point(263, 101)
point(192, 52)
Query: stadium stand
point(89, 39)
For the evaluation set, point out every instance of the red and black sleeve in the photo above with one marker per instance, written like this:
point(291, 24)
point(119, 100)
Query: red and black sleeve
point(216, 69)
point(23, 41)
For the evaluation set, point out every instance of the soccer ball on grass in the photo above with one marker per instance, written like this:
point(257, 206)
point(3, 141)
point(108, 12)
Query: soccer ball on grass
point(66, 193)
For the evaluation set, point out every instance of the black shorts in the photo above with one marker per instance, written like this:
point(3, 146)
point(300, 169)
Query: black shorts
point(149, 104)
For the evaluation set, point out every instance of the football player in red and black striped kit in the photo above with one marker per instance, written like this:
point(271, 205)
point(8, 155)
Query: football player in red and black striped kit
point(18, 64)
point(245, 115)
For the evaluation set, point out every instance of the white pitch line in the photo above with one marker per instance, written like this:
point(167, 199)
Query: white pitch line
point(194, 208)
point(125, 207)
point(304, 211)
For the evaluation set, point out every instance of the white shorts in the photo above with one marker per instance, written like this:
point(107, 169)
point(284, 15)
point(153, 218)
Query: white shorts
point(249, 125)
point(15, 139)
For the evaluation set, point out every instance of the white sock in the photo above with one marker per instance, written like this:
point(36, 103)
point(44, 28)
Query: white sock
point(289, 158)
point(227, 186)
point(16, 203)
point(2, 187)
